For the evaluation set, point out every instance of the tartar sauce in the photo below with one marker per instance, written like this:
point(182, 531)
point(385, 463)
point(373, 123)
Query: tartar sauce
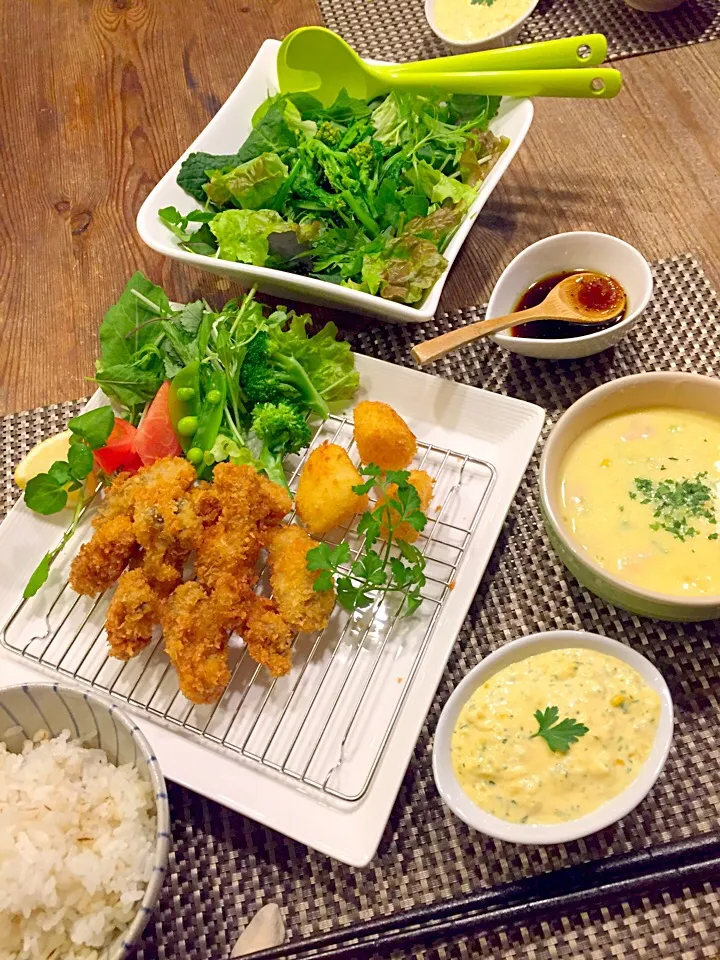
point(465, 21)
point(513, 775)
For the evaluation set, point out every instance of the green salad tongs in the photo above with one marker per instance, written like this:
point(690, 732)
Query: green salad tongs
point(318, 61)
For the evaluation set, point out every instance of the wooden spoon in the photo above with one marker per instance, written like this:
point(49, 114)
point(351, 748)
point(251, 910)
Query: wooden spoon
point(581, 298)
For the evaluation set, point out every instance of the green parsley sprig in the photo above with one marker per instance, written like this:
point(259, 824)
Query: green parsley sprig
point(676, 503)
point(47, 493)
point(485, 3)
point(379, 568)
point(558, 736)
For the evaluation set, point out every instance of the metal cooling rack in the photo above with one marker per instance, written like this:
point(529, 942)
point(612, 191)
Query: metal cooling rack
point(326, 724)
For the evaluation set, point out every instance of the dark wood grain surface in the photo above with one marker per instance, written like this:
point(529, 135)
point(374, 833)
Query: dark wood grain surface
point(99, 97)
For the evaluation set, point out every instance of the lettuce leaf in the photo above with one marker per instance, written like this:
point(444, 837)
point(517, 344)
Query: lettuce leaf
point(327, 361)
point(438, 187)
point(252, 185)
point(344, 110)
point(242, 235)
point(271, 135)
point(478, 109)
point(482, 152)
point(294, 119)
point(131, 368)
point(437, 226)
point(192, 173)
point(405, 271)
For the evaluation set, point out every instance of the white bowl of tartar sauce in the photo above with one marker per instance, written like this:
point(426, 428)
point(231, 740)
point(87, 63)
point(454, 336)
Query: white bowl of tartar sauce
point(467, 25)
point(553, 737)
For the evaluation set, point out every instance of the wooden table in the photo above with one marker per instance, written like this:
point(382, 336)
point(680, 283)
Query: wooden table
point(98, 100)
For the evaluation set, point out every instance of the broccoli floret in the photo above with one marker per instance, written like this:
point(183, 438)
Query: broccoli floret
point(268, 376)
point(281, 429)
point(329, 133)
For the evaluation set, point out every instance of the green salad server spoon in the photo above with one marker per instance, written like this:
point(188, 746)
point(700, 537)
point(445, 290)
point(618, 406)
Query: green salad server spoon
point(315, 60)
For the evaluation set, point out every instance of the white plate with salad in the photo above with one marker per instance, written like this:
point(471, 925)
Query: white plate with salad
point(316, 750)
point(360, 206)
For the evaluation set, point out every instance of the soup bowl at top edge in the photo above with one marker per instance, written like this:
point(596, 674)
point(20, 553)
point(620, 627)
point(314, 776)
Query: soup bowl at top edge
point(578, 250)
point(51, 707)
point(501, 38)
point(688, 391)
point(607, 813)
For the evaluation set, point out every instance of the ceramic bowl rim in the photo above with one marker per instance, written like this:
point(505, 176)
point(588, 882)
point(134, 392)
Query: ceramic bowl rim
point(604, 816)
point(126, 941)
point(469, 45)
point(618, 329)
point(545, 482)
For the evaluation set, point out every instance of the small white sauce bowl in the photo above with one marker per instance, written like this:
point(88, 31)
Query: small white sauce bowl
point(463, 807)
point(503, 38)
point(578, 250)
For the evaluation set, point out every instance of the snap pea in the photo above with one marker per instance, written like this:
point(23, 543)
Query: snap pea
point(184, 401)
point(210, 418)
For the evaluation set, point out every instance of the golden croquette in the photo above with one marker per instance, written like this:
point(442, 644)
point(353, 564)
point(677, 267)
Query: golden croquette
point(382, 436)
point(325, 498)
point(424, 484)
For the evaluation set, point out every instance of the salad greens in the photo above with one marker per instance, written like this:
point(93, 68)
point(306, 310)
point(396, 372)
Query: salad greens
point(47, 493)
point(244, 380)
point(365, 194)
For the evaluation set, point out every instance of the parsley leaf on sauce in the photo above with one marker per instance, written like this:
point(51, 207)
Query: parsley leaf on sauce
point(558, 736)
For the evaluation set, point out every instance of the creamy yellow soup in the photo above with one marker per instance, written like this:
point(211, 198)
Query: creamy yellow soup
point(640, 497)
point(514, 775)
point(464, 21)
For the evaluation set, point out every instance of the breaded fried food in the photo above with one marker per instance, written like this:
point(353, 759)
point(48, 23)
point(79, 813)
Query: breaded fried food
point(100, 562)
point(196, 640)
point(325, 496)
point(267, 635)
point(382, 436)
point(131, 615)
point(248, 503)
point(165, 480)
point(149, 509)
point(292, 583)
point(424, 484)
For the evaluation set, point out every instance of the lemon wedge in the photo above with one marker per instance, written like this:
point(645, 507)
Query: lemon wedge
point(42, 456)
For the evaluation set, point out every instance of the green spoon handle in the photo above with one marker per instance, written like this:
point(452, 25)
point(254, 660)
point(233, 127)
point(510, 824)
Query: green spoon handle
point(594, 83)
point(584, 51)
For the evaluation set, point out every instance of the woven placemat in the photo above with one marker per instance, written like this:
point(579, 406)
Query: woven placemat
point(398, 30)
point(224, 866)
point(682, 925)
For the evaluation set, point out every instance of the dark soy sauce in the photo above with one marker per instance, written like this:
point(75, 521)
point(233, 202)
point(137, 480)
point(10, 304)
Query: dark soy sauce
point(595, 296)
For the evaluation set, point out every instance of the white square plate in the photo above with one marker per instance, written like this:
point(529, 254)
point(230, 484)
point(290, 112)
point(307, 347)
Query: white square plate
point(347, 821)
point(226, 132)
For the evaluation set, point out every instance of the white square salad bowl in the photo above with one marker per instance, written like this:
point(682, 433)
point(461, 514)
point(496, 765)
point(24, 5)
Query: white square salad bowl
point(226, 132)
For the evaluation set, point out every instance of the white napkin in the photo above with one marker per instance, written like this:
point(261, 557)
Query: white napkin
point(266, 929)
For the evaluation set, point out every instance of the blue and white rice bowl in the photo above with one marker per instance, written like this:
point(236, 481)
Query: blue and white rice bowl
point(40, 713)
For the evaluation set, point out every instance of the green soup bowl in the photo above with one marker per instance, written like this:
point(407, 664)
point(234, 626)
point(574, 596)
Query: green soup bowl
point(688, 391)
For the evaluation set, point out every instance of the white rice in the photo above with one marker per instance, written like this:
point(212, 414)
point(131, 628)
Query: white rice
point(77, 837)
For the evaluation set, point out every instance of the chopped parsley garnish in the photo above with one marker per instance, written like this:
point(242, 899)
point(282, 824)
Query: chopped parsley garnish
point(676, 503)
point(558, 736)
point(486, 3)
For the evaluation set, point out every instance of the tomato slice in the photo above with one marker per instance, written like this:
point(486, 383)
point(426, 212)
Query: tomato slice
point(155, 437)
point(119, 451)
